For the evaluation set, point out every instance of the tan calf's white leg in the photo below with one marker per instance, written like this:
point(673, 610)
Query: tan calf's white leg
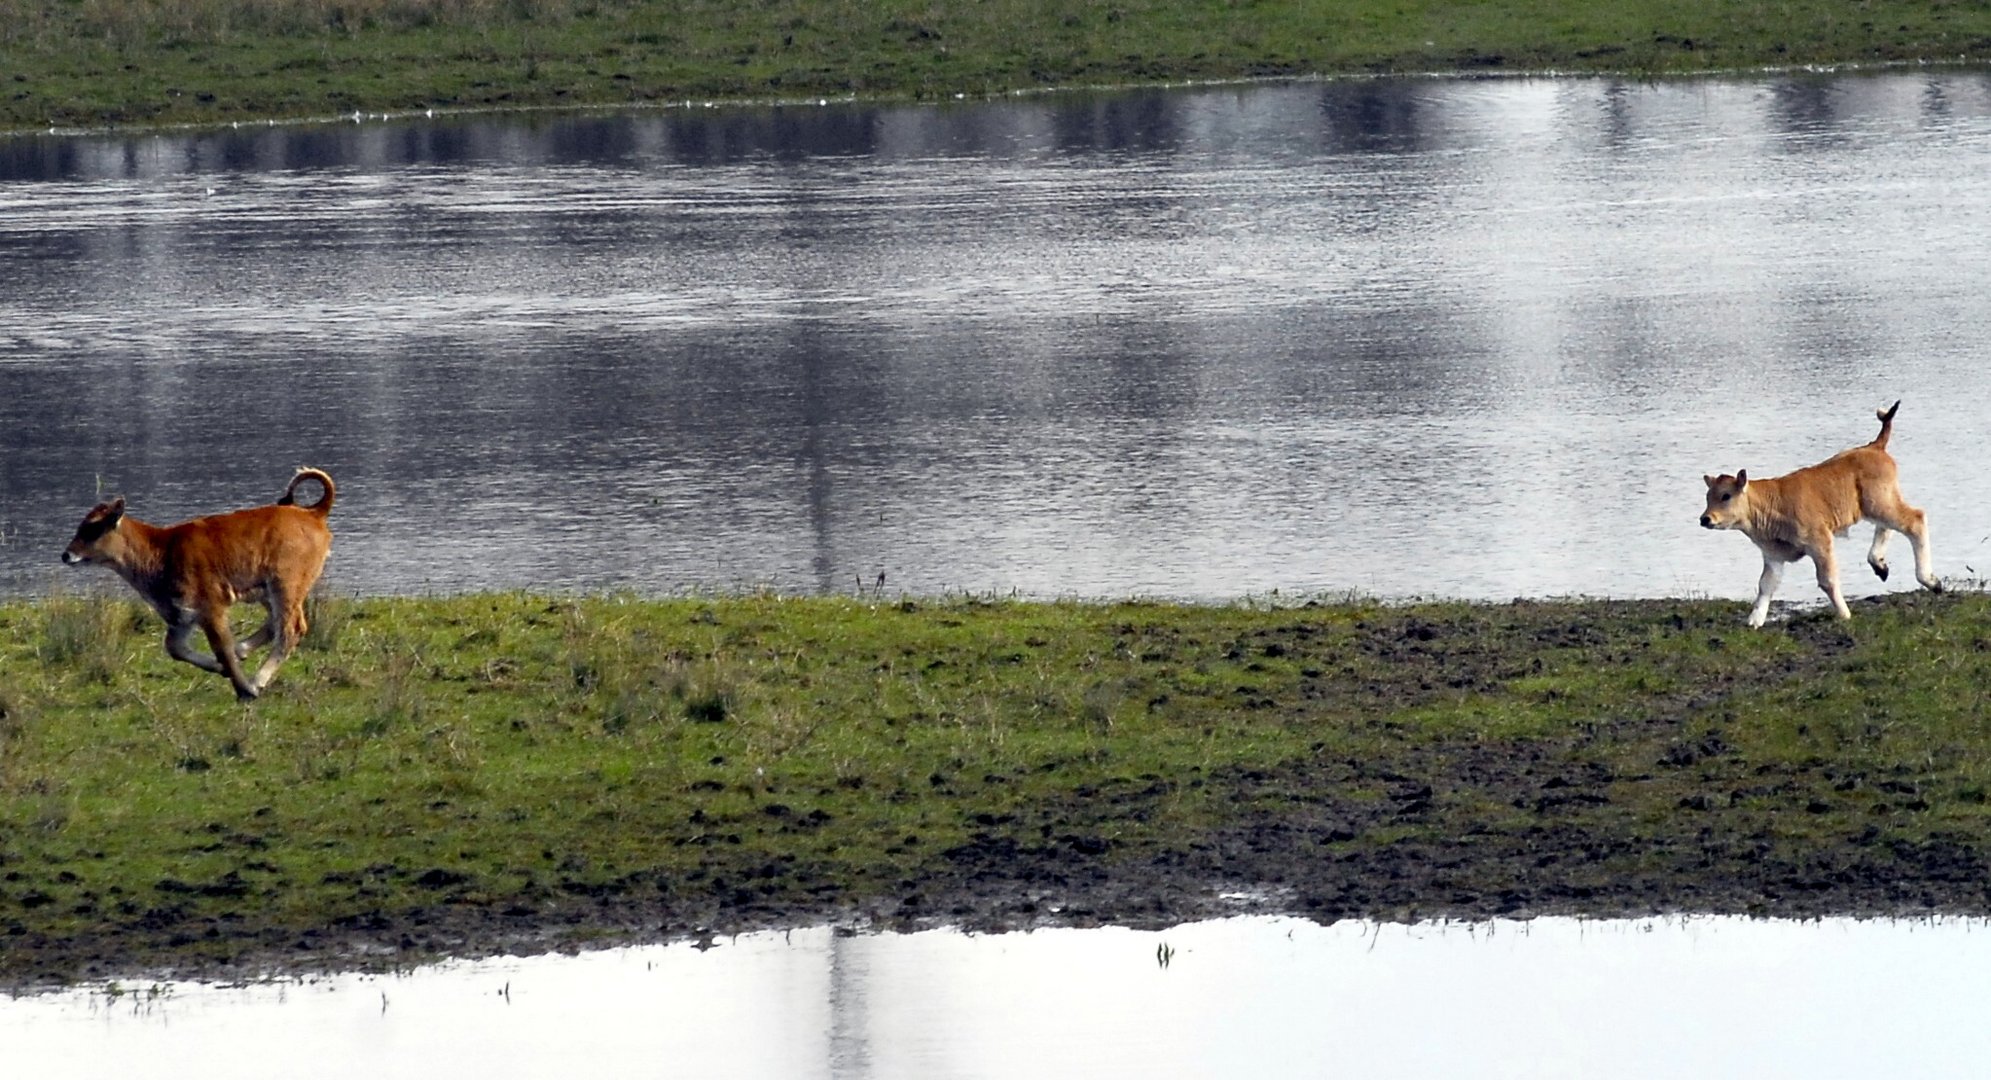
point(1914, 524)
point(1877, 554)
point(1925, 563)
point(1828, 576)
point(1766, 587)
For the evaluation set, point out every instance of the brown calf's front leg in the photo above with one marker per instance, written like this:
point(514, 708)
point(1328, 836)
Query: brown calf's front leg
point(179, 645)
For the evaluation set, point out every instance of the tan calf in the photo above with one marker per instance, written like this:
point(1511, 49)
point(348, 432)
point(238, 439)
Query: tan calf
point(191, 572)
point(1798, 514)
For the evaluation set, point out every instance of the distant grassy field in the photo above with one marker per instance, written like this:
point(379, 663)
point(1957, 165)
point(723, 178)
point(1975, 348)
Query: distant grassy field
point(454, 775)
point(94, 62)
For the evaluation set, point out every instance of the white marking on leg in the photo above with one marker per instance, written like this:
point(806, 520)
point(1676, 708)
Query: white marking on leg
point(1925, 563)
point(1877, 554)
point(1766, 587)
point(1828, 580)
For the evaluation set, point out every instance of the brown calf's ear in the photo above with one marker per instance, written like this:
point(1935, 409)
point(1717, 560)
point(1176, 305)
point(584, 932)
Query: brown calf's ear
point(113, 510)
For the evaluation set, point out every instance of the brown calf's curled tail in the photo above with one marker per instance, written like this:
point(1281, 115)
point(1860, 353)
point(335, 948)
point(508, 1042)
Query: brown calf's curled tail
point(324, 504)
point(1886, 425)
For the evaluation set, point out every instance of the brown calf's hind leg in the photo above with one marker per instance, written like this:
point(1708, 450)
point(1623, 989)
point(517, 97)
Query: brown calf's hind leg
point(268, 631)
point(214, 620)
point(287, 615)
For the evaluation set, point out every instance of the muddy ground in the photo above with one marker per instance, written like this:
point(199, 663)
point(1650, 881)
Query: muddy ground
point(1056, 870)
point(1649, 808)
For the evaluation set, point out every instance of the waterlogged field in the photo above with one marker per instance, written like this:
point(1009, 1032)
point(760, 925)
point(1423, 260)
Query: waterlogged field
point(432, 776)
point(121, 62)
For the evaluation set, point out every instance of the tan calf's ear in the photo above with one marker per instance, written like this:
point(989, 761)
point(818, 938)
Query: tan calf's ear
point(1708, 478)
point(1741, 479)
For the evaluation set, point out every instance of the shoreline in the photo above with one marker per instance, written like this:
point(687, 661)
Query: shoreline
point(125, 66)
point(1851, 67)
point(198, 127)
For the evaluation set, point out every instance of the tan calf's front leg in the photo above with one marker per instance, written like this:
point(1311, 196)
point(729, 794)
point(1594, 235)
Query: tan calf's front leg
point(1827, 561)
point(1766, 587)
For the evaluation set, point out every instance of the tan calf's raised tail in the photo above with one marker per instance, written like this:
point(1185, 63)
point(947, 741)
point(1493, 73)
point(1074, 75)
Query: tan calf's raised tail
point(1798, 514)
point(191, 572)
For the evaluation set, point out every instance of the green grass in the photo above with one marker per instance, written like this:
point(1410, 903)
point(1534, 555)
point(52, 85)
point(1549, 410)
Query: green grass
point(565, 762)
point(91, 62)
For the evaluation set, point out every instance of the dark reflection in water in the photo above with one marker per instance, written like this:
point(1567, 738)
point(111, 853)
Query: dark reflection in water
point(1405, 337)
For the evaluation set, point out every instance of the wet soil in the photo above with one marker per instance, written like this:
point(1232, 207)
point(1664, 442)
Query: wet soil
point(1631, 811)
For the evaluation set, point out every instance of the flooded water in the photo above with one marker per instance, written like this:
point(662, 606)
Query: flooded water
point(1248, 997)
point(1469, 338)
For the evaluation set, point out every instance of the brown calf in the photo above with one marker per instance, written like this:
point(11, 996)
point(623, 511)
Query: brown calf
point(191, 572)
point(1798, 514)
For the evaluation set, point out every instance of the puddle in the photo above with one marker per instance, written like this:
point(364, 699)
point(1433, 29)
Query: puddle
point(1246, 997)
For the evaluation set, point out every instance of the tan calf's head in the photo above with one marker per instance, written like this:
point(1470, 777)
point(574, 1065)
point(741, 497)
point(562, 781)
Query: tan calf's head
point(1726, 496)
point(97, 539)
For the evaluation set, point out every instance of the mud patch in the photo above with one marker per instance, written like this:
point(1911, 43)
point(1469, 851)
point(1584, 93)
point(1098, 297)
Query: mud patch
point(1466, 762)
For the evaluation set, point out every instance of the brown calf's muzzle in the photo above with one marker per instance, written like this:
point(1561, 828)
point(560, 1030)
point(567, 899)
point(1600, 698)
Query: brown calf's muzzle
point(97, 524)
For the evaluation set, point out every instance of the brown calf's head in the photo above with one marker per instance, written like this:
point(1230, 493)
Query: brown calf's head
point(1726, 498)
point(97, 539)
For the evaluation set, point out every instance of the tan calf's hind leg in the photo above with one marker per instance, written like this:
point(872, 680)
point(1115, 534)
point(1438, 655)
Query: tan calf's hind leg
point(1877, 554)
point(1894, 514)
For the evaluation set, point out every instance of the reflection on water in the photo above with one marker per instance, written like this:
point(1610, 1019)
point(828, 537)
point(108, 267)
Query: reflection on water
point(1249, 997)
point(1404, 337)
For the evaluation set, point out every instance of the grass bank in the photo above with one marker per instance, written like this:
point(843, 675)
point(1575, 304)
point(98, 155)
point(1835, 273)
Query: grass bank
point(457, 775)
point(147, 61)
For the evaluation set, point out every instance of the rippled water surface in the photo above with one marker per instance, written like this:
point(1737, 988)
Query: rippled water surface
point(1246, 998)
point(1421, 337)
